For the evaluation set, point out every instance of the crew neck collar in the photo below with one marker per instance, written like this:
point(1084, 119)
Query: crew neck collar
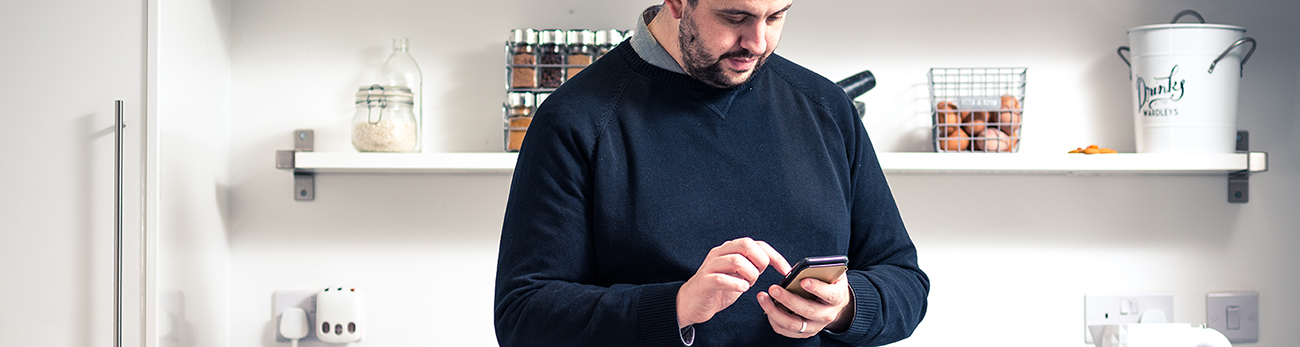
point(645, 68)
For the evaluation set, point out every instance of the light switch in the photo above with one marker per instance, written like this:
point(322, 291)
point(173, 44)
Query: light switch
point(1234, 317)
point(1126, 307)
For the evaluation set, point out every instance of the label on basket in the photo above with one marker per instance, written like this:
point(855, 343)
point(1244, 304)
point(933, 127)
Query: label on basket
point(978, 102)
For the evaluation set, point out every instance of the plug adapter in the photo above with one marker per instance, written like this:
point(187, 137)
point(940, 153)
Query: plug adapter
point(340, 315)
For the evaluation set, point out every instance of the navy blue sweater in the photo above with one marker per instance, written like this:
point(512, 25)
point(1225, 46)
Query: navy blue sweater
point(631, 173)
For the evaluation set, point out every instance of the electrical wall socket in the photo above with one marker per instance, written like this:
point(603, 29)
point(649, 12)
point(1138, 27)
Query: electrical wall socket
point(1125, 308)
point(283, 299)
point(1236, 315)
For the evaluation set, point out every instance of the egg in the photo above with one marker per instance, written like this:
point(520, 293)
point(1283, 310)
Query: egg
point(1007, 121)
point(1009, 118)
point(1009, 102)
point(941, 118)
point(974, 122)
point(956, 141)
point(993, 140)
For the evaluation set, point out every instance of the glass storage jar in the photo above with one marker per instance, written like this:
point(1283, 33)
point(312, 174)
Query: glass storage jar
point(551, 55)
point(401, 70)
point(606, 40)
point(518, 116)
point(523, 58)
point(384, 120)
point(538, 98)
point(582, 51)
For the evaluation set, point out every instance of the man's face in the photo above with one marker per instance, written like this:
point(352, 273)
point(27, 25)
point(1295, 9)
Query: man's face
point(724, 41)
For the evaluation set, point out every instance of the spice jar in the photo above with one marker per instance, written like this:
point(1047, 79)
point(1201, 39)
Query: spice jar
point(384, 121)
point(606, 40)
point(523, 58)
point(551, 53)
point(582, 50)
point(519, 115)
point(541, 97)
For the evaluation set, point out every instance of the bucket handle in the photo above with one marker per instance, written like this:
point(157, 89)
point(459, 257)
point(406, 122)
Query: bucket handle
point(1121, 51)
point(1234, 46)
point(1187, 12)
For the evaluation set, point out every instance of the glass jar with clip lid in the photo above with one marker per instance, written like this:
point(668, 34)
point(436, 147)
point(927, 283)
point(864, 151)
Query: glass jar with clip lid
point(384, 120)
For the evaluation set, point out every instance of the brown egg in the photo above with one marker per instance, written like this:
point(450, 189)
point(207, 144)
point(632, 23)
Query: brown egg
point(956, 141)
point(974, 122)
point(942, 118)
point(947, 122)
point(1007, 121)
point(1009, 102)
point(993, 140)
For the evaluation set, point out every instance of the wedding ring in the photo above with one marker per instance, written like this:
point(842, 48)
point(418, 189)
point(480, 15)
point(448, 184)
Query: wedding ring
point(803, 327)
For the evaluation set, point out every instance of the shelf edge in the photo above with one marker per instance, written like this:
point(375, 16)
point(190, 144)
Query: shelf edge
point(893, 162)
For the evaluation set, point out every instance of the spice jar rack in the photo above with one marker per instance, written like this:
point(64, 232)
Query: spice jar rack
point(538, 62)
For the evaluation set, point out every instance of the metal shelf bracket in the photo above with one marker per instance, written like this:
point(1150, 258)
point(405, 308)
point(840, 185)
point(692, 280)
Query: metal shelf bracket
point(1239, 182)
point(304, 181)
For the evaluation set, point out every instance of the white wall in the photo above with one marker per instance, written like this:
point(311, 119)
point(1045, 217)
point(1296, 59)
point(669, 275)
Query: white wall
point(193, 146)
point(1005, 253)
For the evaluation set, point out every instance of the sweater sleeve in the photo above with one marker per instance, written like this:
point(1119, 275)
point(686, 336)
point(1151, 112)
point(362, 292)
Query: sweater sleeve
point(545, 295)
point(889, 287)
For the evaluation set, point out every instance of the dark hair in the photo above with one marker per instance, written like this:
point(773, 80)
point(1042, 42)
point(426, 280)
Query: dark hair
point(692, 2)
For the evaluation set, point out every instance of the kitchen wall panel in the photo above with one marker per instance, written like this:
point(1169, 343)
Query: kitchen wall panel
point(192, 170)
point(1010, 256)
point(62, 66)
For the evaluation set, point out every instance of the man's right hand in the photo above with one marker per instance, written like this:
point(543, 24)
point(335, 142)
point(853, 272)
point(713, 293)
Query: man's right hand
point(727, 272)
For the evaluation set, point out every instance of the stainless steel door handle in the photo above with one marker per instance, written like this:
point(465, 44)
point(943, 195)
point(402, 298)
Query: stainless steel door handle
point(117, 298)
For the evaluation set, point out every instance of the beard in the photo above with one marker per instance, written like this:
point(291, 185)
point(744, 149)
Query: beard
point(700, 63)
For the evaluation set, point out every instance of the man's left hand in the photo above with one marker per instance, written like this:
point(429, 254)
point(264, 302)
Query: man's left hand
point(831, 308)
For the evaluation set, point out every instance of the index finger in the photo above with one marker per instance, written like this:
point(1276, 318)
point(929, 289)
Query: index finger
point(746, 247)
point(776, 259)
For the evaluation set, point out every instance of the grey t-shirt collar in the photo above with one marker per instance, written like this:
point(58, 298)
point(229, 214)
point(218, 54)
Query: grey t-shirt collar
point(648, 47)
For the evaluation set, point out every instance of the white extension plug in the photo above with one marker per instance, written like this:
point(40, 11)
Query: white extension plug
point(339, 315)
point(293, 325)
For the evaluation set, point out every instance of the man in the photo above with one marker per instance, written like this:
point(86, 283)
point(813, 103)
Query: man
point(656, 187)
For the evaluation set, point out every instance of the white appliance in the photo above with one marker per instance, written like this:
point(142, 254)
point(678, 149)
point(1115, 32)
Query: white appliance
point(1156, 335)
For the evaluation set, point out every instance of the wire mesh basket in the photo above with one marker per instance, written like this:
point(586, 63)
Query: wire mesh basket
point(977, 109)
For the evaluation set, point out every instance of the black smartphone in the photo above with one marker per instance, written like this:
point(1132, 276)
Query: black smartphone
point(826, 268)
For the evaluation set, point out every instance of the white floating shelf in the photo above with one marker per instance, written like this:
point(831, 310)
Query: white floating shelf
point(905, 162)
point(345, 162)
point(1069, 164)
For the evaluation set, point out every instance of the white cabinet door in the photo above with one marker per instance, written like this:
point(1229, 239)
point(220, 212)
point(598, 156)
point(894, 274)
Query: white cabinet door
point(63, 63)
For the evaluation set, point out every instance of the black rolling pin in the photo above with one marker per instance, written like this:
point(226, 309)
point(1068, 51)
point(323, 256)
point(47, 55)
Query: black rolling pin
point(858, 84)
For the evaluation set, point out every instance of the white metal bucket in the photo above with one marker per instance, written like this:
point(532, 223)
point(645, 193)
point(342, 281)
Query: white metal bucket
point(1184, 85)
